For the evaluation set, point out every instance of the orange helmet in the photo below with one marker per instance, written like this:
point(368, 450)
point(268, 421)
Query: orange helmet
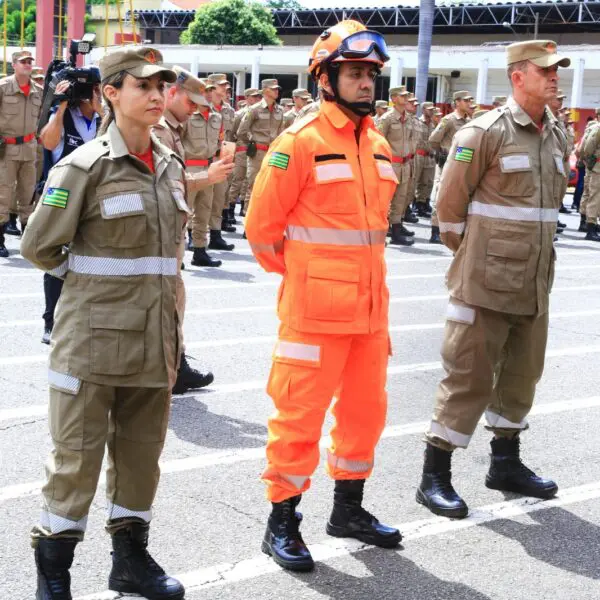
point(347, 41)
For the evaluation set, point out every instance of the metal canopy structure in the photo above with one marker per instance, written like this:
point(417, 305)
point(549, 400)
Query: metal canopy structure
point(553, 17)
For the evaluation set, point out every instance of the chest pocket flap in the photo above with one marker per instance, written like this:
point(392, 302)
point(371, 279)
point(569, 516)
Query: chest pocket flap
point(516, 172)
point(10, 104)
point(331, 172)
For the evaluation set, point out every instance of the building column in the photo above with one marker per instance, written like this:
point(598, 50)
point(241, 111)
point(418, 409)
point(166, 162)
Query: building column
point(482, 81)
point(240, 83)
point(396, 68)
point(255, 81)
point(303, 80)
point(577, 89)
point(44, 27)
point(75, 21)
point(194, 66)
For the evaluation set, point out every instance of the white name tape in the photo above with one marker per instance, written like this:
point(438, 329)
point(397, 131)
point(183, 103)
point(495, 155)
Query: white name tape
point(515, 161)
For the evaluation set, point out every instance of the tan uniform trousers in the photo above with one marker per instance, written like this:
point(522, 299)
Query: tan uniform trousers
point(586, 192)
point(220, 194)
point(17, 184)
point(434, 193)
point(252, 171)
point(202, 204)
point(424, 184)
point(237, 189)
point(401, 198)
point(132, 423)
point(493, 362)
point(592, 205)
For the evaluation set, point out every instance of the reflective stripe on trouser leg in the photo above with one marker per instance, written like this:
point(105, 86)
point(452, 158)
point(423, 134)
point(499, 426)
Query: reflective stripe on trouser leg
point(25, 188)
point(73, 468)
point(360, 408)
point(306, 371)
point(253, 167)
point(138, 427)
point(474, 340)
point(202, 204)
point(518, 373)
point(434, 193)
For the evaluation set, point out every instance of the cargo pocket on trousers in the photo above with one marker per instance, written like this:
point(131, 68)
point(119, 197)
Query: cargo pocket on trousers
point(117, 339)
point(459, 344)
point(506, 264)
point(66, 411)
point(331, 291)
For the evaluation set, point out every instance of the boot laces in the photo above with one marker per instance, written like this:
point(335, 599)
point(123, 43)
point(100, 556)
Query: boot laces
point(444, 482)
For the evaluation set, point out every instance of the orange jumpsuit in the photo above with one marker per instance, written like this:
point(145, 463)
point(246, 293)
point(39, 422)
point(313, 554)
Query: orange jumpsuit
point(318, 216)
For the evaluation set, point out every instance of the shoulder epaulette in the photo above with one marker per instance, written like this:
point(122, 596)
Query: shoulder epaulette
point(87, 155)
point(488, 119)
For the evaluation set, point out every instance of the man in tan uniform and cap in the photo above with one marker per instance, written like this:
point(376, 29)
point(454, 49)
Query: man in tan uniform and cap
point(590, 163)
point(424, 161)
point(498, 101)
point(301, 97)
point(440, 141)
point(590, 204)
point(20, 105)
point(497, 207)
point(396, 126)
point(237, 189)
point(381, 107)
point(261, 124)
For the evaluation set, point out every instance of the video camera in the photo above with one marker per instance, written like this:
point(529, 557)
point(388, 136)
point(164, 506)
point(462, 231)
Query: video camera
point(82, 79)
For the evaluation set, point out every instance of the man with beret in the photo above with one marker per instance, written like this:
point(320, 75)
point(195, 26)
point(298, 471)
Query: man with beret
point(424, 161)
point(237, 189)
point(396, 126)
point(20, 105)
point(440, 141)
point(261, 124)
point(497, 206)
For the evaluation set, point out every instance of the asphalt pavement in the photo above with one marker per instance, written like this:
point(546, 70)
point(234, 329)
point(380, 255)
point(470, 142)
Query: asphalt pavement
point(210, 511)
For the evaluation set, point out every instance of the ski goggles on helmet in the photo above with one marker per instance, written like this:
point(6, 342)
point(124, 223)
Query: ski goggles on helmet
point(362, 45)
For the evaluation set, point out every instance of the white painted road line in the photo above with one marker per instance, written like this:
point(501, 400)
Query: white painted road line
point(229, 457)
point(330, 548)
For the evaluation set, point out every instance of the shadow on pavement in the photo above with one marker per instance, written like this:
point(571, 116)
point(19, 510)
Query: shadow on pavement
point(191, 421)
point(220, 275)
point(558, 538)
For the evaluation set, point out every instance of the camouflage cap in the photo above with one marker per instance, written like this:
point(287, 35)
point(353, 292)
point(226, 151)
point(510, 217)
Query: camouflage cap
point(427, 105)
point(462, 95)
point(139, 61)
point(381, 104)
point(270, 83)
point(21, 55)
point(252, 92)
point(192, 85)
point(540, 52)
point(286, 102)
point(301, 93)
point(37, 73)
point(399, 91)
point(218, 79)
point(499, 100)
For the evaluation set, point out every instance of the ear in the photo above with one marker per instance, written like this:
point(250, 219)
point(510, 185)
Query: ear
point(324, 83)
point(111, 93)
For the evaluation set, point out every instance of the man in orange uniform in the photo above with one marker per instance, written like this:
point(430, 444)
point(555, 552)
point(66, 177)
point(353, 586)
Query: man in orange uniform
point(319, 217)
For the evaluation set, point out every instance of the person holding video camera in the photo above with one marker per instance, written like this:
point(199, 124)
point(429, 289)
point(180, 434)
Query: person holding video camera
point(20, 103)
point(72, 123)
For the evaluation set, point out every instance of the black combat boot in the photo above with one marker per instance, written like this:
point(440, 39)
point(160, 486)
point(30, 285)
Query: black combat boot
point(405, 231)
point(582, 223)
point(409, 216)
point(436, 491)
point(201, 258)
point(422, 210)
point(190, 242)
point(190, 379)
point(435, 235)
point(225, 224)
point(398, 238)
point(3, 250)
point(508, 474)
point(592, 233)
point(563, 209)
point(10, 228)
point(231, 215)
point(349, 519)
point(47, 333)
point(283, 540)
point(242, 208)
point(217, 242)
point(134, 571)
point(53, 558)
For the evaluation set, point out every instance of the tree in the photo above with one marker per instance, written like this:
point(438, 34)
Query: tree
point(426, 10)
point(284, 5)
point(232, 22)
point(13, 22)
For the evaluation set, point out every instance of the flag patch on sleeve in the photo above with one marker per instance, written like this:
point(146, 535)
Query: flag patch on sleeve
point(56, 197)
point(279, 160)
point(464, 154)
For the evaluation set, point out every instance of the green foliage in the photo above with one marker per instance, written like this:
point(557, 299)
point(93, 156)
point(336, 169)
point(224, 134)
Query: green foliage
point(13, 22)
point(232, 22)
point(284, 5)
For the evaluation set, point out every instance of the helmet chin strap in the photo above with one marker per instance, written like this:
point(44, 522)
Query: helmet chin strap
point(361, 109)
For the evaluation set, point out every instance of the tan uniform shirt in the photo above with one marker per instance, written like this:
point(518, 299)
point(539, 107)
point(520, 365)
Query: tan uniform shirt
point(121, 226)
point(441, 137)
point(261, 124)
point(289, 117)
point(591, 142)
point(19, 116)
point(237, 120)
point(227, 114)
point(426, 129)
point(400, 132)
point(201, 135)
point(310, 108)
point(169, 131)
point(498, 205)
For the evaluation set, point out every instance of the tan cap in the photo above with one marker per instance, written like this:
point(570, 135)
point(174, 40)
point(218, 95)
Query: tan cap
point(540, 52)
point(21, 55)
point(480, 112)
point(252, 92)
point(462, 95)
point(286, 102)
point(209, 84)
point(499, 100)
point(37, 73)
point(218, 78)
point(139, 61)
point(399, 91)
point(427, 105)
point(270, 83)
point(414, 100)
point(301, 93)
point(193, 86)
point(381, 104)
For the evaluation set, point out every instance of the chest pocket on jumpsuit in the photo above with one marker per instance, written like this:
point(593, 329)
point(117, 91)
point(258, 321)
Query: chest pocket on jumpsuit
point(123, 216)
point(516, 172)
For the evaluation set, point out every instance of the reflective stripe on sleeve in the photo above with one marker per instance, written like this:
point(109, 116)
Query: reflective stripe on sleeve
point(69, 383)
point(122, 267)
point(495, 420)
point(462, 314)
point(297, 481)
point(335, 237)
point(297, 351)
point(120, 512)
point(445, 227)
point(449, 435)
point(514, 213)
point(57, 524)
point(346, 464)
